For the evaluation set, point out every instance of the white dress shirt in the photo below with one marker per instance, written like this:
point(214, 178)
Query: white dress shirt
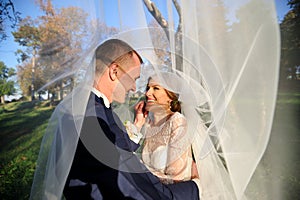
point(101, 95)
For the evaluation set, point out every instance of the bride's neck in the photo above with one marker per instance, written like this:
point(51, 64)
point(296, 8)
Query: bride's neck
point(161, 117)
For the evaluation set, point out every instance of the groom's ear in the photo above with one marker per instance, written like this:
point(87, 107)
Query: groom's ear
point(113, 71)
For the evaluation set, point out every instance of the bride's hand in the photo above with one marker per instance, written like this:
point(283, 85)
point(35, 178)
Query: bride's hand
point(140, 115)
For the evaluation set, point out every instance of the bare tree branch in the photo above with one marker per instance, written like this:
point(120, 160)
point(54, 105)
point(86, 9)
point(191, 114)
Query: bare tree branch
point(178, 9)
point(164, 24)
point(9, 15)
point(178, 37)
point(157, 15)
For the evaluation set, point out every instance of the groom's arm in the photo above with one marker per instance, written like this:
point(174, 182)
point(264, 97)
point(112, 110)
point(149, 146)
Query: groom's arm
point(147, 186)
point(184, 190)
point(177, 191)
point(135, 184)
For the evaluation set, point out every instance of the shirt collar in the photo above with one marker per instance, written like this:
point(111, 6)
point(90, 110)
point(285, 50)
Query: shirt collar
point(101, 95)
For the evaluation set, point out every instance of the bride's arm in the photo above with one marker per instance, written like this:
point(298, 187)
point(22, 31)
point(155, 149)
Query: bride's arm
point(179, 156)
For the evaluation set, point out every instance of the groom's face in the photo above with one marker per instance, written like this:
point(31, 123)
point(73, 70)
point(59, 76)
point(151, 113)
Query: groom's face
point(127, 79)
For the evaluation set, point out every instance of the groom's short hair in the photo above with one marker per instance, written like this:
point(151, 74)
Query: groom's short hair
point(113, 51)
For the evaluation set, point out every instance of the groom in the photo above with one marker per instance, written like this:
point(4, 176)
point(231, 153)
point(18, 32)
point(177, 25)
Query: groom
point(104, 165)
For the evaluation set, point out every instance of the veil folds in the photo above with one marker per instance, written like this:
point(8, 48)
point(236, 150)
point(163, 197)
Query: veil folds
point(228, 54)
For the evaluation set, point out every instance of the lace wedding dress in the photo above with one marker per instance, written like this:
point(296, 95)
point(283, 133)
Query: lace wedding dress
point(161, 147)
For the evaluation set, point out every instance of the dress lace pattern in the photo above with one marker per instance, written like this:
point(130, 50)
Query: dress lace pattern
point(167, 149)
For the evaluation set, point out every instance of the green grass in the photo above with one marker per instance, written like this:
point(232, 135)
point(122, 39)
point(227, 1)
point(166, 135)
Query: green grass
point(22, 126)
point(288, 98)
point(281, 161)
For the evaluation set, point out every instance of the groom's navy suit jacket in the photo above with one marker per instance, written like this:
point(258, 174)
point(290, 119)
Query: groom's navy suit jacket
point(100, 153)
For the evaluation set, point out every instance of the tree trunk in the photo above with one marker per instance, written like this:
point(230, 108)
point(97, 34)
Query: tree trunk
point(32, 73)
point(2, 99)
point(52, 99)
point(60, 91)
point(72, 85)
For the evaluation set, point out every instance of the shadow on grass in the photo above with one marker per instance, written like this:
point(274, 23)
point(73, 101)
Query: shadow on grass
point(22, 127)
point(20, 120)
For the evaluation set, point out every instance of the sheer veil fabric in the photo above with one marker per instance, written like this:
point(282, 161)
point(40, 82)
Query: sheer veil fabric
point(226, 62)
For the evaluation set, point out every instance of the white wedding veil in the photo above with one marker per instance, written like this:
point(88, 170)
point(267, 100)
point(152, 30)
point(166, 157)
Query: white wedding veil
point(227, 54)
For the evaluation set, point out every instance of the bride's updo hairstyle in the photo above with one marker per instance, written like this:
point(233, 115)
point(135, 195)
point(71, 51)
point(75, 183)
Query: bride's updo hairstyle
point(175, 103)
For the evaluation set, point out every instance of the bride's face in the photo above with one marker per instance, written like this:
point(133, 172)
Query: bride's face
point(156, 97)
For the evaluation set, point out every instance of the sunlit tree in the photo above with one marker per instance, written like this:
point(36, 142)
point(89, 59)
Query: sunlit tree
point(28, 36)
point(62, 31)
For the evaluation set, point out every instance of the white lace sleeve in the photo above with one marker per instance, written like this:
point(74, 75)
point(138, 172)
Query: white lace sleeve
point(179, 158)
point(179, 142)
point(133, 132)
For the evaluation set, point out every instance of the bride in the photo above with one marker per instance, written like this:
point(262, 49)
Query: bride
point(172, 134)
point(165, 150)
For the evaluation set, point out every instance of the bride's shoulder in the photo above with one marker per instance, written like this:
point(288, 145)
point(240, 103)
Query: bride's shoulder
point(178, 116)
point(177, 121)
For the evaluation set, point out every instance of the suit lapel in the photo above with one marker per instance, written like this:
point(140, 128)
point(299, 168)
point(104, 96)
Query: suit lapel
point(97, 108)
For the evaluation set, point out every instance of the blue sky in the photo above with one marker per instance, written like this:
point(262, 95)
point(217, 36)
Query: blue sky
point(28, 8)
